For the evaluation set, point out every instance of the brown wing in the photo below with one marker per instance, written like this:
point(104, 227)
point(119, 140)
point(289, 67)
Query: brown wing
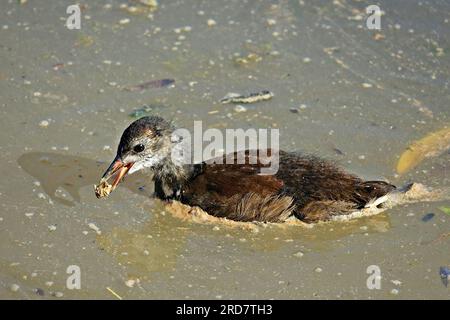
point(310, 179)
point(238, 191)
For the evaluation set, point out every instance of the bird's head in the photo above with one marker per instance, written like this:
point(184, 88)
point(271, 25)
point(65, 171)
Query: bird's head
point(144, 144)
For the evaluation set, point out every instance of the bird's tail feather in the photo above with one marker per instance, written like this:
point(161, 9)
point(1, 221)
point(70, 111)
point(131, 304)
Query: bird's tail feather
point(410, 193)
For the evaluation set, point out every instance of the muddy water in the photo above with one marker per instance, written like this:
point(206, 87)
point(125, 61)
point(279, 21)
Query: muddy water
point(360, 98)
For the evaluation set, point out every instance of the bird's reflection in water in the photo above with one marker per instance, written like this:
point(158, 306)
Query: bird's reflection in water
point(70, 173)
point(155, 245)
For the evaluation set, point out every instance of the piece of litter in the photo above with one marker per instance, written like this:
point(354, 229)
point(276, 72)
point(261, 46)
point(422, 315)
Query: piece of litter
point(396, 282)
point(395, 291)
point(14, 287)
point(39, 291)
point(114, 293)
point(95, 228)
point(444, 272)
point(251, 98)
point(428, 217)
point(44, 124)
point(239, 108)
point(130, 283)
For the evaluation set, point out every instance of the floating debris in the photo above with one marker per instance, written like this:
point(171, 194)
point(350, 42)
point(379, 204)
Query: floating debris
point(338, 151)
point(396, 282)
point(379, 36)
point(141, 7)
point(130, 283)
point(271, 22)
point(94, 227)
point(444, 272)
point(114, 293)
point(151, 84)
point(149, 3)
point(211, 22)
point(251, 98)
point(250, 58)
point(14, 287)
point(124, 21)
point(141, 112)
point(58, 66)
point(395, 292)
point(44, 124)
point(239, 108)
point(433, 145)
point(39, 292)
point(428, 217)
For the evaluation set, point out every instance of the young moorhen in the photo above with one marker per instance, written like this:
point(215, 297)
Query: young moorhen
point(305, 186)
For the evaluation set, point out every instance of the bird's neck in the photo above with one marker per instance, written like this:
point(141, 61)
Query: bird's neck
point(170, 178)
point(168, 170)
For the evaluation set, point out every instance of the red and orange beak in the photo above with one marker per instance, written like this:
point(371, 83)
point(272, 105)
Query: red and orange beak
point(118, 169)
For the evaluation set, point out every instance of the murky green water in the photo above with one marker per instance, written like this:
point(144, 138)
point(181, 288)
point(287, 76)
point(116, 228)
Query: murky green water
point(368, 94)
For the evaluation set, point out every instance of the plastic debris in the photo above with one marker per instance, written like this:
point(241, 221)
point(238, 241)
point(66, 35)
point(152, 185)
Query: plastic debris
point(428, 217)
point(251, 98)
point(433, 145)
point(141, 112)
point(444, 272)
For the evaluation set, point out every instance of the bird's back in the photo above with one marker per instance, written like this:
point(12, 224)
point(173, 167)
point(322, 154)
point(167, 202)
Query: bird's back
point(306, 186)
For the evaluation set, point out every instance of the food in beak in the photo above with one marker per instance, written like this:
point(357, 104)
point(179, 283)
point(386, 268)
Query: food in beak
point(117, 169)
point(103, 189)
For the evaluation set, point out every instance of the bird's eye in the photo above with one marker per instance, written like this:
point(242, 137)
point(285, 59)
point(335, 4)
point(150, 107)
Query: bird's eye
point(138, 148)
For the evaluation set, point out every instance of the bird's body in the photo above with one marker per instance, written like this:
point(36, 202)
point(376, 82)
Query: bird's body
point(304, 186)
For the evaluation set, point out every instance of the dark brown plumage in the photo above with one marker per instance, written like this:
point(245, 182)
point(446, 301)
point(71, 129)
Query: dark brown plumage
point(305, 186)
